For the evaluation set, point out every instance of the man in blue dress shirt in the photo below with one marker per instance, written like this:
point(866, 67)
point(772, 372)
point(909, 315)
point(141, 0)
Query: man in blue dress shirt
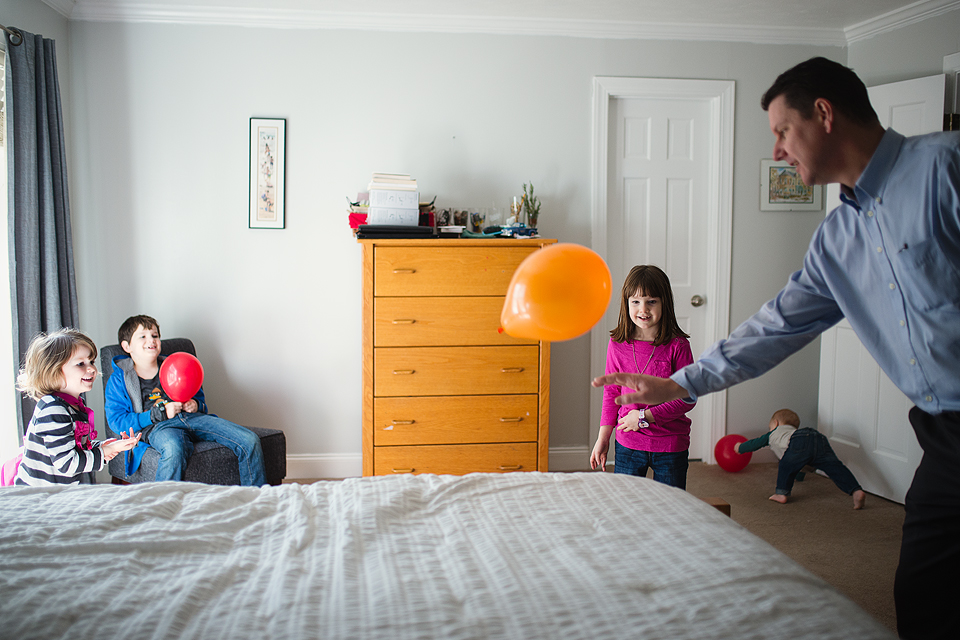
point(888, 260)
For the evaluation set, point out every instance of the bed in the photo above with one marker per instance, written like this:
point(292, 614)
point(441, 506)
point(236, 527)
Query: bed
point(517, 555)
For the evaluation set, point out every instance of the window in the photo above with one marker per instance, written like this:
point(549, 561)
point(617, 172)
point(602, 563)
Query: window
point(9, 439)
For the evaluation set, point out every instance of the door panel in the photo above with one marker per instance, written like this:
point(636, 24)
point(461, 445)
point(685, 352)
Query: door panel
point(660, 168)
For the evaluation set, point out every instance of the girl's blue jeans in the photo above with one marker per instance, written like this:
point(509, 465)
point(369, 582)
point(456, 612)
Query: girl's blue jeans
point(669, 468)
point(174, 440)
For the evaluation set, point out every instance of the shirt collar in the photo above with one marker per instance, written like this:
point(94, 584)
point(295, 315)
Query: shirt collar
point(872, 181)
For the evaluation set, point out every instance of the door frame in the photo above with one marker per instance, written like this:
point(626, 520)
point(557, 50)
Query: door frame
point(720, 96)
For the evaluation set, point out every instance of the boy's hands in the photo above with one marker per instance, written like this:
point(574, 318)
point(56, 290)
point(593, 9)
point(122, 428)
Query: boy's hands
point(172, 409)
point(111, 447)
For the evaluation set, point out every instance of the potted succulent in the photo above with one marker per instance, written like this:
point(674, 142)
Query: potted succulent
point(531, 206)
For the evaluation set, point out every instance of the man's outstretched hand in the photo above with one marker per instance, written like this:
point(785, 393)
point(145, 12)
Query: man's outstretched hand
point(651, 390)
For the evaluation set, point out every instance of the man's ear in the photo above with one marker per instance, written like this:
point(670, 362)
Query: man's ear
point(823, 111)
point(125, 345)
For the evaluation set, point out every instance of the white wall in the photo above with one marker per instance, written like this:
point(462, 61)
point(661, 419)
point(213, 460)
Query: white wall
point(159, 190)
point(158, 117)
point(913, 51)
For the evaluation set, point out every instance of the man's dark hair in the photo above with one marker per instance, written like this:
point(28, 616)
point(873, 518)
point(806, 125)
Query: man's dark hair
point(129, 327)
point(821, 78)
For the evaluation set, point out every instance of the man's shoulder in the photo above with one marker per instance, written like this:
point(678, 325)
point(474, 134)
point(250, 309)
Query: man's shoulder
point(936, 144)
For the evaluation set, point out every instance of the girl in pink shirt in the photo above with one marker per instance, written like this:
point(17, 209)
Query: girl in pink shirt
point(647, 340)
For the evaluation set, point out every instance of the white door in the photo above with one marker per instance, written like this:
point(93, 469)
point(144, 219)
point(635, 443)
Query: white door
point(862, 412)
point(662, 208)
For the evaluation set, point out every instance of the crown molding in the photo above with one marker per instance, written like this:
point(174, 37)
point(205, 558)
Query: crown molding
point(107, 11)
point(63, 7)
point(114, 11)
point(899, 18)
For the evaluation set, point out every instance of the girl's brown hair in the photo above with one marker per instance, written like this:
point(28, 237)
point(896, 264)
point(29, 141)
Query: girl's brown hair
point(42, 371)
point(650, 281)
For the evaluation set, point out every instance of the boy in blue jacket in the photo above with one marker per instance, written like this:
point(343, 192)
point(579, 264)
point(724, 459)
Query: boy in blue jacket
point(134, 398)
point(797, 448)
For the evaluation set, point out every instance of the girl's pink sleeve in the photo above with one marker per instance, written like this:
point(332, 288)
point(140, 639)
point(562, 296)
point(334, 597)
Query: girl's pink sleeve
point(680, 356)
point(610, 409)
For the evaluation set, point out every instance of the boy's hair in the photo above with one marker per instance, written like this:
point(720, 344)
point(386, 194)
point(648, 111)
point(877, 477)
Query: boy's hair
point(129, 327)
point(42, 371)
point(786, 416)
point(821, 78)
point(651, 281)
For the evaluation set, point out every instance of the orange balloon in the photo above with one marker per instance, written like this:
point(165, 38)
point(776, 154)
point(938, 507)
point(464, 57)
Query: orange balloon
point(557, 293)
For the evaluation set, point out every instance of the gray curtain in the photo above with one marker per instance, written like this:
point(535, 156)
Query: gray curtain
point(42, 282)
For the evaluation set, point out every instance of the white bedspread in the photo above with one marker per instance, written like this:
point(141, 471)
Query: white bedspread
point(519, 555)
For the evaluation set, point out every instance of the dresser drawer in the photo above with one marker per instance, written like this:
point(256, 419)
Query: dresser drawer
point(454, 420)
point(409, 322)
point(455, 371)
point(456, 459)
point(446, 271)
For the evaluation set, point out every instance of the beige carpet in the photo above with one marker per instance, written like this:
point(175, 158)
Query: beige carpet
point(855, 551)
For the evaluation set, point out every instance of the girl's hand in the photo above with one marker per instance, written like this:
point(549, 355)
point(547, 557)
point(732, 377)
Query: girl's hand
point(191, 406)
point(173, 408)
point(112, 446)
point(630, 422)
point(598, 457)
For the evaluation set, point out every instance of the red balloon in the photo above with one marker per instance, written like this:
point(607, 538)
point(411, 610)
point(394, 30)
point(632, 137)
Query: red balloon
point(181, 375)
point(727, 458)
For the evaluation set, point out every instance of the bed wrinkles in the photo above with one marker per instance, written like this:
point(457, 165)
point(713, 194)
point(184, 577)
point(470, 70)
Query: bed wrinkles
point(522, 555)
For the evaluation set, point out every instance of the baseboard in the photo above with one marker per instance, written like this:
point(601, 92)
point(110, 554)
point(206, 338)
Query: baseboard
point(310, 466)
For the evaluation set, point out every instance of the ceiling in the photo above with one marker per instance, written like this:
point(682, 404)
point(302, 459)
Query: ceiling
point(829, 22)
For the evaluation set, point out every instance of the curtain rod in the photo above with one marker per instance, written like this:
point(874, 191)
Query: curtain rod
point(15, 36)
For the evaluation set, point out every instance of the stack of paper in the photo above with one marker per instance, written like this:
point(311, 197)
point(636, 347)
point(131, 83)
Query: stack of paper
point(394, 199)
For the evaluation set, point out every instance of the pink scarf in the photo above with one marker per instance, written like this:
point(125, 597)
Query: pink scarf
point(83, 431)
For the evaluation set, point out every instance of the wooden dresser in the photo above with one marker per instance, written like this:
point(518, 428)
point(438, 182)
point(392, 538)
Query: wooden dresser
point(444, 391)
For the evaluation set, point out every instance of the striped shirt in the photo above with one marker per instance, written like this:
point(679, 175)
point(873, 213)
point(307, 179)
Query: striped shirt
point(51, 454)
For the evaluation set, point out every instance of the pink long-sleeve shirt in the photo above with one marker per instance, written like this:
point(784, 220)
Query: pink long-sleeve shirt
point(670, 431)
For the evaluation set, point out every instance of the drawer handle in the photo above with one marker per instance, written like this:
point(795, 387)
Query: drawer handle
point(403, 470)
point(511, 467)
point(404, 321)
point(402, 421)
point(403, 372)
point(404, 270)
point(511, 419)
point(511, 369)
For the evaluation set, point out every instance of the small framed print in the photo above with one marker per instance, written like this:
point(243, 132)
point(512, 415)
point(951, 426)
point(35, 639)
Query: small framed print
point(782, 189)
point(267, 153)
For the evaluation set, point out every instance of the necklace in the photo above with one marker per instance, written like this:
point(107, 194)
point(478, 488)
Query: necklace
point(637, 364)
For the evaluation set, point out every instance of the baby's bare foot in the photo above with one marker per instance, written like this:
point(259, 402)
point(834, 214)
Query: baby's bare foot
point(779, 498)
point(859, 497)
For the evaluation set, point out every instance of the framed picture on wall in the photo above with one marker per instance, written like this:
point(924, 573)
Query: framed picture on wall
point(782, 189)
point(267, 153)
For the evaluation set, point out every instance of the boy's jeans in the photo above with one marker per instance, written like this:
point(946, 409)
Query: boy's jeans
point(810, 447)
point(174, 440)
point(669, 468)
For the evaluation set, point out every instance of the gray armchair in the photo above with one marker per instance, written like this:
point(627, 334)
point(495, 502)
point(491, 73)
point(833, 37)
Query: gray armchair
point(211, 463)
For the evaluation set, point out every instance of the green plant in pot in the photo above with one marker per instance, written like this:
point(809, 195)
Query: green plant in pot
point(531, 206)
